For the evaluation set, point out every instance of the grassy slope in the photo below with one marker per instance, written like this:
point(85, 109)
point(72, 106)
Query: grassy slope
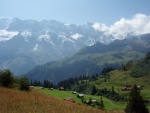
point(119, 57)
point(109, 105)
point(14, 101)
point(118, 79)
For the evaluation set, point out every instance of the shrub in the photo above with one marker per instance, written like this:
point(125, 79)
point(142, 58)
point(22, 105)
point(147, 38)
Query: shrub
point(6, 78)
point(24, 83)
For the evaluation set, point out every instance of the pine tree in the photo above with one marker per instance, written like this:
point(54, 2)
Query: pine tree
point(112, 89)
point(82, 99)
point(94, 90)
point(7, 78)
point(136, 103)
point(105, 79)
point(101, 104)
point(24, 83)
point(31, 83)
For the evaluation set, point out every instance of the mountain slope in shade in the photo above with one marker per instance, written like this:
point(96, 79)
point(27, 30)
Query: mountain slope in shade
point(142, 67)
point(81, 65)
point(91, 60)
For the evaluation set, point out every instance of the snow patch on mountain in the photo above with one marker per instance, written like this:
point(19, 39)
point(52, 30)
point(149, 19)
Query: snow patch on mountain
point(7, 35)
point(36, 47)
point(76, 36)
point(90, 42)
point(26, 34)
point(64, 38)
point(46, 38)
point(5, 22)
point(67, 24)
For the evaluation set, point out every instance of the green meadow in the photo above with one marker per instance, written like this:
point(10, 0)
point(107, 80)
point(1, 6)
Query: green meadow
point(118, 78)
point(109, 105)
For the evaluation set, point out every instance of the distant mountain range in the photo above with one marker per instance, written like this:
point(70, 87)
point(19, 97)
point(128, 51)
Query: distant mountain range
point(25, 44)
point(92, 59)
point(28, 43)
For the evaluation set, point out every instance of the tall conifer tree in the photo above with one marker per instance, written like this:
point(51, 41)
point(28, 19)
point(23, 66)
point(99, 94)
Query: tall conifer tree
point(136, 103)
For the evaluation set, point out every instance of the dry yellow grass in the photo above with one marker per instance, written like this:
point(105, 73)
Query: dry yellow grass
point(15, 101)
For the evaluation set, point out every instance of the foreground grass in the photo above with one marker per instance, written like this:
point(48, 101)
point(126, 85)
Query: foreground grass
point(15, 101)
point(109, 105)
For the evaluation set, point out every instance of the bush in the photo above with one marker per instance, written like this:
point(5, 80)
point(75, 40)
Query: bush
point(24, 83)
point(6, 78)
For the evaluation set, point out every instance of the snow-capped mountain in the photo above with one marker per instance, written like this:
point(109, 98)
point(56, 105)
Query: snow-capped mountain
point(28, 43)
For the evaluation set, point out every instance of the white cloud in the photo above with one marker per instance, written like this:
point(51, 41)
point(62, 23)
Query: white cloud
point(101, 27)
point(139, 24)
point(76, 36)
point(7, 35)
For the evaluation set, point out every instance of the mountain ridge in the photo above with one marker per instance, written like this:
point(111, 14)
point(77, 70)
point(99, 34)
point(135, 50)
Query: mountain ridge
point(91, 62)
point(43, 41)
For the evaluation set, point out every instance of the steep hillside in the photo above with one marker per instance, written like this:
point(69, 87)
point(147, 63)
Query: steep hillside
point(119, 78)
point(116, 84)
point(142, 68)
point(80, 65)
point(124, 76)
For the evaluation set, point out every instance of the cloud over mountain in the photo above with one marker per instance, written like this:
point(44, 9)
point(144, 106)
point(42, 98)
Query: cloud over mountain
point(139, 24)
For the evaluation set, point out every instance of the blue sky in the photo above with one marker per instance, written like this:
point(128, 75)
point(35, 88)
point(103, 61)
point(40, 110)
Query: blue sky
point(74, 11)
